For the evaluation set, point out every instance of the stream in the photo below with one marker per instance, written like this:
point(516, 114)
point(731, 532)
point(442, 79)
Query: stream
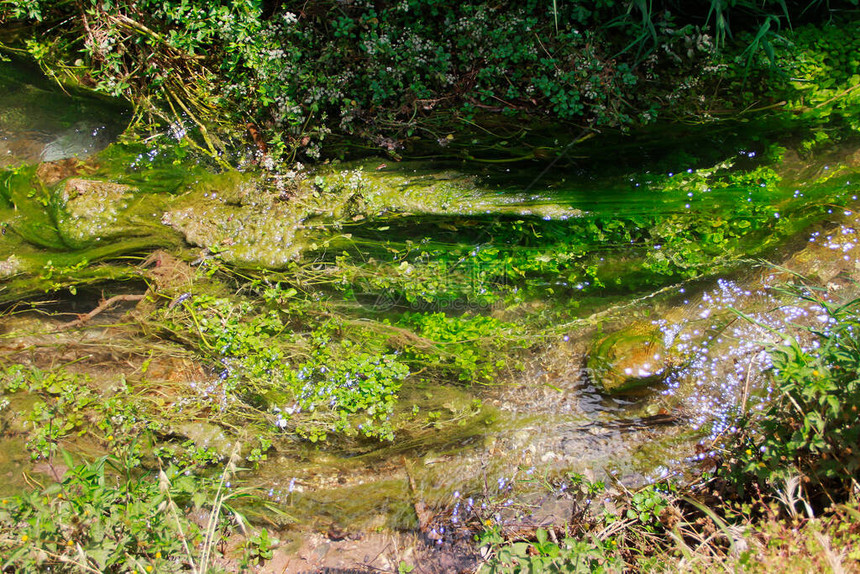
point(607, 314)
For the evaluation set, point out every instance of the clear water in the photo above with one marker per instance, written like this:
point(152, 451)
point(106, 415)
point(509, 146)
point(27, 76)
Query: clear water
point(63, 126)
point(569, 250)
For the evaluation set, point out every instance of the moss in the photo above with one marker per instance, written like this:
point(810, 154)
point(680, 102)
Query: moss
point(630, 358)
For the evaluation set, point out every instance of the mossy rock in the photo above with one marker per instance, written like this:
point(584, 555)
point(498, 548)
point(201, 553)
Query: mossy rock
point(630, 359)
point(92, 210)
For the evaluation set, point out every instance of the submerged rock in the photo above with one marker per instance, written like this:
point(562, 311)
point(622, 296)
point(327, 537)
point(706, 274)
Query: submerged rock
point(92, 210)
point(79, 141)
point(32, 146)
point(20, 147)
point(51, 172)
point(207, 436)
point(631, 358)
point(263, 234)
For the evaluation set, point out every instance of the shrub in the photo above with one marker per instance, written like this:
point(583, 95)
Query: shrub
point(811, 428)
point(94, 520)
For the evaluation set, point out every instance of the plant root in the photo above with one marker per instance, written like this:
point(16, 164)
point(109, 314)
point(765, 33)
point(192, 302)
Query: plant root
point(103, 305)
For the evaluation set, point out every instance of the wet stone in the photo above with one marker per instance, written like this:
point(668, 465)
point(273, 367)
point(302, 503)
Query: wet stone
point(51, 172)
point(81, 140)
point(209, 436)
point(629, 359)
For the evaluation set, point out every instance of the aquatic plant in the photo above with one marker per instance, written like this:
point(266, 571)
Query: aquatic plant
point(310, 382)
point(471, 347)
point(67, 406)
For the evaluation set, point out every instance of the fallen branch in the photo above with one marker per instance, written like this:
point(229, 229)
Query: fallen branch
point(102, 306)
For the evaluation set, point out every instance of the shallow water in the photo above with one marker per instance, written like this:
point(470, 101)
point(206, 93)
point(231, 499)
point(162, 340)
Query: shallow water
point(63, 126)
point(663, 237)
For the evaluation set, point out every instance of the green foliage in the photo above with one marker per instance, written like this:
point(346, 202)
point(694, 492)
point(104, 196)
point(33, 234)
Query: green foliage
point(581, 548)
point(259, 547)
point(812, 427)
point(814, 69)
point(472, 347)
point(188, 454)
point(350, 381)
point(385, 72)
point(311, 382)
point(67, 406)
point(152, 53)
point(665, 527)
point(97, 520)
point(646, 505)
point(826, 72)
point(109, 515)
point(696, 222)
point(576, 555)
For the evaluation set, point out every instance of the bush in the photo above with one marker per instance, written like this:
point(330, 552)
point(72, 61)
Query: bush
point(811, 428)
point(392, 72)
point(96, 521)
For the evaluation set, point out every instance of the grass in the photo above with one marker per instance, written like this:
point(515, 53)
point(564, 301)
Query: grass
point(696, 530)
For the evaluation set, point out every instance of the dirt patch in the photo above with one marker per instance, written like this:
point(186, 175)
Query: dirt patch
point(362, 553)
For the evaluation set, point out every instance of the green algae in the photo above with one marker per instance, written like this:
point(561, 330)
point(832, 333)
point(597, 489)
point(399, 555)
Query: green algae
point(415, 283)
point(700, 222)
point(414, 188)
point(545, 245)
point(72, 233)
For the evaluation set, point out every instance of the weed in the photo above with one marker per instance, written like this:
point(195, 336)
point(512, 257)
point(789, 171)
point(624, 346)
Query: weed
point(101, 519)
point(259, 547)
point(199, 72)
point(811, 428)
point(307, 380)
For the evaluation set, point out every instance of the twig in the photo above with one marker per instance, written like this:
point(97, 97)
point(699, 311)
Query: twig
point(102, 306)
point(837, 96)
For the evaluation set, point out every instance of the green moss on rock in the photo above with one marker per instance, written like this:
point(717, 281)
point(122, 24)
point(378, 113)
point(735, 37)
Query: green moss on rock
point(629, 359)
